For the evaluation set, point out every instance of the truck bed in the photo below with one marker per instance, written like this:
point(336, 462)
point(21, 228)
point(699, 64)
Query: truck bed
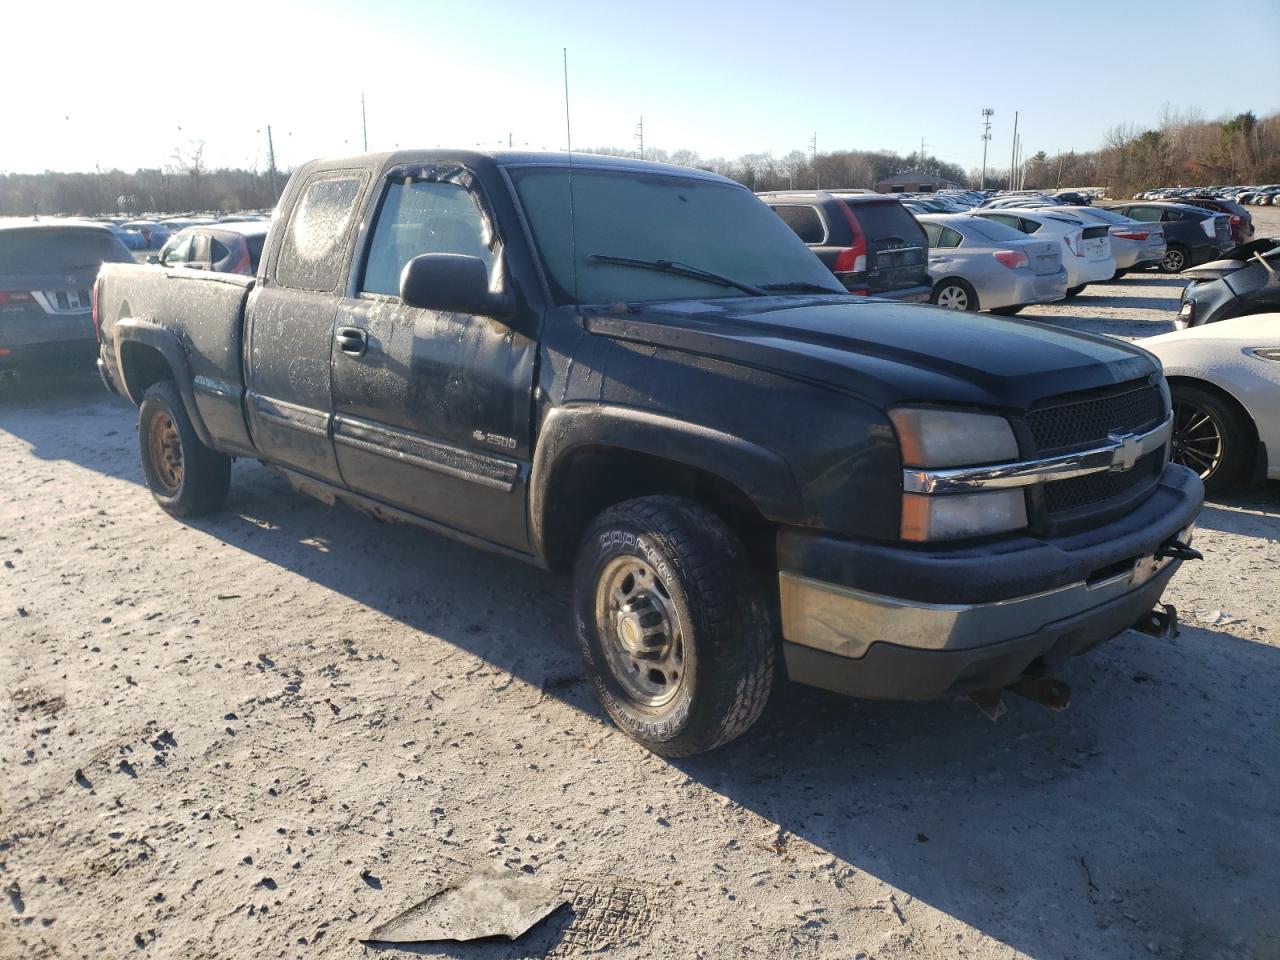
point(142, 306)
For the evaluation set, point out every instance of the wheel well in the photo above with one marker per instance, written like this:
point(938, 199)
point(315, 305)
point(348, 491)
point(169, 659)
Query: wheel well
point(1226, 398)
point(142, 366)
point(593, 478)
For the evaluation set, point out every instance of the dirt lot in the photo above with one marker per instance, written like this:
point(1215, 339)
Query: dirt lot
point(262, 732)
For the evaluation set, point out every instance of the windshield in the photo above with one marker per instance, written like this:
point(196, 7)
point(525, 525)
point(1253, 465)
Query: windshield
point(716, 227)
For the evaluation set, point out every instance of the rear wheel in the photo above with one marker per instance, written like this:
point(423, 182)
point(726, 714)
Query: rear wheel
point(1210, 436)
point(955, 294)
point(676, 636)
point(186, 477)
point(1176, 259)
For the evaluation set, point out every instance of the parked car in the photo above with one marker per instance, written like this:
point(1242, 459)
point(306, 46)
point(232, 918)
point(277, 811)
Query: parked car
point(661, 393)
point(1235, 287)
point(1225, 385)
point(46, 278)
point(1086, 247)
point(977, 264)
point(1134, 244)
point(132, 239)
point(1191, 235)
point(1240, 219)
point(234, 247)
point(153, 234)
point(870, 242)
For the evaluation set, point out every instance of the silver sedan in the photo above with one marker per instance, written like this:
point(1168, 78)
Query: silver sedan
point(977, 264)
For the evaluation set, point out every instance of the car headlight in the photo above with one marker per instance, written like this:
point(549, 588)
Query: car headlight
point(930, 438)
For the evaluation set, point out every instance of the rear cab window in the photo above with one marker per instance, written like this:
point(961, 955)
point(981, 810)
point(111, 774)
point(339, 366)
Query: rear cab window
point(313, 254)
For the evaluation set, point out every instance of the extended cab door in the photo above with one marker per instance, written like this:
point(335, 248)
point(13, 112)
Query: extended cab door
point(432, 409)
point(289, 342)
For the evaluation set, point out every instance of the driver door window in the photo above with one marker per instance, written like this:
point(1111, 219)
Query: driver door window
point(423, 217)
point(176, 255)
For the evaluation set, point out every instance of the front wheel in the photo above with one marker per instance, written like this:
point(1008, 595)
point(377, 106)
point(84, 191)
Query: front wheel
point(676, 636)
point(1210, 436)
point(955, 295)
point(186, 477)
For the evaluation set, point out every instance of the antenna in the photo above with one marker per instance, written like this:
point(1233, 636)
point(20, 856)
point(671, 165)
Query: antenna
point(364, 123)
point(573, 220)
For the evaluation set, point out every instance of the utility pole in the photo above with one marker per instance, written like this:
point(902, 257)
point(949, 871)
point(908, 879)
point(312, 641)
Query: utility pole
point(987, 114)
point(271, 165)
point(922, 154)
point(1013, 157)
point(508, 141)
point(640, 136)
point(813, 158)
point(364, 123)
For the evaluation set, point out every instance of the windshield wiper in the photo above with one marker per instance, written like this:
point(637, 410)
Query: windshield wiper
point(679, 269)
point(800, 286)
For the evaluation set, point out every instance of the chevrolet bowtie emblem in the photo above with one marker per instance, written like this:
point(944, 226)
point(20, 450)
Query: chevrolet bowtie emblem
point(1128, 450)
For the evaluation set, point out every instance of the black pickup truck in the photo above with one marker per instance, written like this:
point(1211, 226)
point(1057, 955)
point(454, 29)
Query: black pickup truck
point(639, 374)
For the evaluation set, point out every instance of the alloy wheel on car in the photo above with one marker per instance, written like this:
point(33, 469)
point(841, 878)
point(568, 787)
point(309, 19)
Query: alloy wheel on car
point(953, 298)
point(1198, 438)
point(1174, 261)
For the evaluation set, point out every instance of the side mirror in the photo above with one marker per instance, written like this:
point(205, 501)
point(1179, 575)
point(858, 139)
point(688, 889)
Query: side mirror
point(153, 258)
point(453, 283)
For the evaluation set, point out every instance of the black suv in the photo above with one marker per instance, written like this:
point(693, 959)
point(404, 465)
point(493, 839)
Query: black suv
point(1192, 235)
point(870, 242)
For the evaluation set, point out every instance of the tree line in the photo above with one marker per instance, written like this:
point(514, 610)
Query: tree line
point(1182, 150)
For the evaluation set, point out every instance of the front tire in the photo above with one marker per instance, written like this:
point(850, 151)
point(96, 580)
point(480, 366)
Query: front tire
point(954, 294)
point(185, 477)
point(676, 636)
point(1210, 436)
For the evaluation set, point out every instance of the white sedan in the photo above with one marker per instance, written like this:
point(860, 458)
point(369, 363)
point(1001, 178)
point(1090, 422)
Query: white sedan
point(1225, 382)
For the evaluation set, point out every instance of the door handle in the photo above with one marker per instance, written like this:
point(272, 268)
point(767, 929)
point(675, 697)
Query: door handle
point(352, 341)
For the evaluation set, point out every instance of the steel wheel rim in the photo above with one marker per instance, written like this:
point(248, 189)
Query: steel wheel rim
point(640, 631)
point(1174, 261)
point(953, 298)
point(166, 451)
point(1199, 441)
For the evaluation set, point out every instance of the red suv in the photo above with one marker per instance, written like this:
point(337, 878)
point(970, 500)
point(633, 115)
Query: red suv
point(870, 241)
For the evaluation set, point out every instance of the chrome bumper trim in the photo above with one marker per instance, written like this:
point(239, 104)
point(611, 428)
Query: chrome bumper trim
point(1120, 453)
point(847, 622)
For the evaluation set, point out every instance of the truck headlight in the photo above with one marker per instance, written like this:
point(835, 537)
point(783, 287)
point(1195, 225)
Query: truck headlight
point(930, 438)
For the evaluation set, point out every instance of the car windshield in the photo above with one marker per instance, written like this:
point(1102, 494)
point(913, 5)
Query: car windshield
point(53, 250)
point(715, 227)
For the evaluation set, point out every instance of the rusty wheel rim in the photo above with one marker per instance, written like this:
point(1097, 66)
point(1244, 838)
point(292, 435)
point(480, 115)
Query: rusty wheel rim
point(166, 451)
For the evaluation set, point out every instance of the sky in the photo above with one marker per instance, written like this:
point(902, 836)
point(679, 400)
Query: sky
point(125, 85)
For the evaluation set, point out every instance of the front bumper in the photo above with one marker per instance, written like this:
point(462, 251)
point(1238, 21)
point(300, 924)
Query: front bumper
point(893, 622)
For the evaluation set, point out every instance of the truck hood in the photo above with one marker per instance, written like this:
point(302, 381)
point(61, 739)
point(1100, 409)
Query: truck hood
point(884, 351)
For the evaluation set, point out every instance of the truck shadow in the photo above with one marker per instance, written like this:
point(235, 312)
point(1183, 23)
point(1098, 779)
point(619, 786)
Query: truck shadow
point(1002, 825)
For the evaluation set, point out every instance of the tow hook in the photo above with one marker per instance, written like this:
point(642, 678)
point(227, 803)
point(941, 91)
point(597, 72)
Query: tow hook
point(1161, 624)
point(1177, 550)
point(1045, 691)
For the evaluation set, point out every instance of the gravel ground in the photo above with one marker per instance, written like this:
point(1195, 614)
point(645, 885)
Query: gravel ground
point(262, 732)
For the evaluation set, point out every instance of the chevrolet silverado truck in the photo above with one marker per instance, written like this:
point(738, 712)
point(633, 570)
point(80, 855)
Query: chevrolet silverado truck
point(639, 375)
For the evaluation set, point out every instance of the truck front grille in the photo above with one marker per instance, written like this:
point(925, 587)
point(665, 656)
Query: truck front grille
point(1085, 422)
point(1079, 422)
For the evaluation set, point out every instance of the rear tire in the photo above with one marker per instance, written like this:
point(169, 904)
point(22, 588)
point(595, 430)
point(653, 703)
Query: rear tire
point(954, 294)
point(1075, 291)
point(1210, 436)
point(676, 636)
point(1176, 259)
point(1119, 274)
point(185, 476)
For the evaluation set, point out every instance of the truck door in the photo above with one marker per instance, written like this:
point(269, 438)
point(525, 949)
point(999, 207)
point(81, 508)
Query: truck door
point(432, 409)
point(289, 341)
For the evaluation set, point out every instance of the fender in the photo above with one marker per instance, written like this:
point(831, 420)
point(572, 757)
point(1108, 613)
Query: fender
point(168, 345)
point(760, 473)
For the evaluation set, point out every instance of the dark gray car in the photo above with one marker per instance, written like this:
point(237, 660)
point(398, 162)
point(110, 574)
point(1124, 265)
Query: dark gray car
point(47, 269)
